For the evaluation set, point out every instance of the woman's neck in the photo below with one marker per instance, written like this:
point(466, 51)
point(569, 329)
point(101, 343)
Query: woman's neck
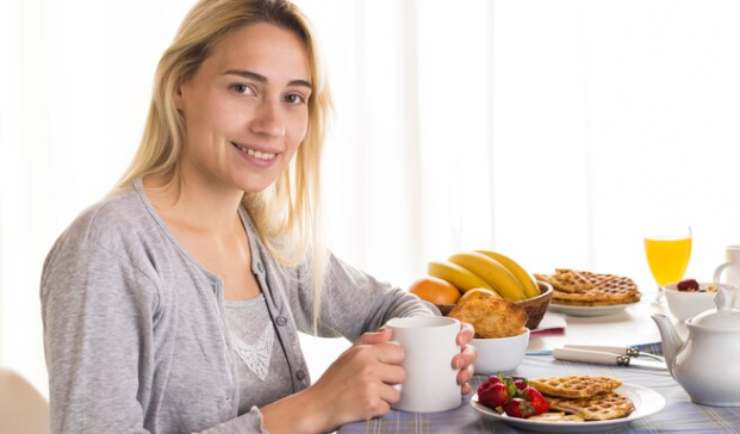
point(196, 202)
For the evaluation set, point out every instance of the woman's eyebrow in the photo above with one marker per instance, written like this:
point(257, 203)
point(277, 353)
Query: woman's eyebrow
point(262, 79)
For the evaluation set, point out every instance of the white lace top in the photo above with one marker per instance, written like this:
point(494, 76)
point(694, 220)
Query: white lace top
point(263, 370)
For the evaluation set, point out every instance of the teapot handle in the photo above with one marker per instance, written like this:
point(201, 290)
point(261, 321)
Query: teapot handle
point(724, 299)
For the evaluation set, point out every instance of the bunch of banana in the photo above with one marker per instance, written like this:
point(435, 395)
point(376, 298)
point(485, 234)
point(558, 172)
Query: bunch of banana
point(530, 285)
point(458, 276)
point(486, 269)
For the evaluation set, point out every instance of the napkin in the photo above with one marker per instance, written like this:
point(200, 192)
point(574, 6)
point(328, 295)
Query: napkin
point(552, 324)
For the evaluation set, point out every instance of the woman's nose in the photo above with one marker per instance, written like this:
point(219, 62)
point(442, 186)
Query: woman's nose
point(268, 120)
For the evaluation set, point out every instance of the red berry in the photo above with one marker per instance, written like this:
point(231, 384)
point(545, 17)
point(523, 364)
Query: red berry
point(483, 392)
point(484, 387)
point(689, 285)
point(493, 395)
point(494, 379)
point(538, 402)
point(517, 407)
point(520, 383)
point(499, 395)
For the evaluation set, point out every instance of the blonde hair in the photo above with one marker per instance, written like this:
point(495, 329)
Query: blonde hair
point(287, 214)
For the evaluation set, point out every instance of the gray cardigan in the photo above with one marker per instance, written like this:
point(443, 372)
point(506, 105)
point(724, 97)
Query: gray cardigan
point(134, 328)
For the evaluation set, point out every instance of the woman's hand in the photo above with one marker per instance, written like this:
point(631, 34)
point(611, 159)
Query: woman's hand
point(464, 361)
point(359, 384)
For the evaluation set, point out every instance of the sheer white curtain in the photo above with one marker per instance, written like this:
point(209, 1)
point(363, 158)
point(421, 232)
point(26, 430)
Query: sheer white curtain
point(552, 131)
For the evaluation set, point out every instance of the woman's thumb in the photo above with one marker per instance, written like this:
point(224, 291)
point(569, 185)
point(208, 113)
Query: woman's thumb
point(374, 338)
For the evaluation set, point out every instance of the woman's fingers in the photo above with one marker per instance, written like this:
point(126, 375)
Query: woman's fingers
point(381, 362)
point(465, 357)
point(466, 389)
point(465, 362)
point(390, 352)
point(391, 374)
point(466, 334)
point(389, 394)
point(465, 375)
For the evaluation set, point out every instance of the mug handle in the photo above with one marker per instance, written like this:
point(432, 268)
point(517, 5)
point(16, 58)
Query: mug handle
point(734, 295)
point(718, 272)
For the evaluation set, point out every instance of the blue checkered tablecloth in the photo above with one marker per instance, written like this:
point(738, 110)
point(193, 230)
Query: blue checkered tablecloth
point(679, 415)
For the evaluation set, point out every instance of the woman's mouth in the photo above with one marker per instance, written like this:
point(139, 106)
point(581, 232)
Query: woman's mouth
point(254, 156)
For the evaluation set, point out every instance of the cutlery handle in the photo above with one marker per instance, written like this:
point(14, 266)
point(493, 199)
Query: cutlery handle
point(588, 356)
point(602, 348)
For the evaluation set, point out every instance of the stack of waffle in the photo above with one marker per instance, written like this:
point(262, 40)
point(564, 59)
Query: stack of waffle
point(582, 398)
point(585, 288)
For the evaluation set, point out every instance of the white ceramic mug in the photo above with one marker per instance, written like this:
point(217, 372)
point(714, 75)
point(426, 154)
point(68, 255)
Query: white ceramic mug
point(732, 269)
point(429, 344)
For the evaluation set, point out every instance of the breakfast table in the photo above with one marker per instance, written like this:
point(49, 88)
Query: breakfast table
point(630, 327)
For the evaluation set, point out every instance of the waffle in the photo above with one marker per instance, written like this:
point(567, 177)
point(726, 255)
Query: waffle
point(577, 281)
point(590, 289)
point(556, 416)
point(574, 386)
point(605, 406)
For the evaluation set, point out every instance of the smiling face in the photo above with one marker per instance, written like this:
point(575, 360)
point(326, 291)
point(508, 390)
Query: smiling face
point(246, 108)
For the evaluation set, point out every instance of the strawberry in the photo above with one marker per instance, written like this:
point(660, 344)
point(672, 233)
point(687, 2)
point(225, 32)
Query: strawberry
point(484, 392)
point(520, 383)
point(499, 395)
point(518, 407)
point(492, 394)
point(536, 400)
point(514, 395)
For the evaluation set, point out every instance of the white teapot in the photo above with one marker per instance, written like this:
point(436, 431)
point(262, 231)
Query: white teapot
point(707, 364)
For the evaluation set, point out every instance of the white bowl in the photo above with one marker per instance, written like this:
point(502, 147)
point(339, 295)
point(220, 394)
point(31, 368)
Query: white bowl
point(684, 304)
point(500, 354)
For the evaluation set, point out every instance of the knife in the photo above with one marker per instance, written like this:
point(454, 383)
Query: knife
point(627, 351)
point(605, 358)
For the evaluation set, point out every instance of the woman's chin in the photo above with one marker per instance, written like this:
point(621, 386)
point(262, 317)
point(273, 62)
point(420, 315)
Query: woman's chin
point(253, 184)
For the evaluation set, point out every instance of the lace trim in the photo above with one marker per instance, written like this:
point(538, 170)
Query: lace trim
point(257, 355)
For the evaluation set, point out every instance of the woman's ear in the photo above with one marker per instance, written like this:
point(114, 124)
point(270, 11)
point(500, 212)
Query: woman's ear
point(178, 99)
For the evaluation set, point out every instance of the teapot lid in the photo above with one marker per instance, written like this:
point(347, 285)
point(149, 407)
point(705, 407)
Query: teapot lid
point(724, 317)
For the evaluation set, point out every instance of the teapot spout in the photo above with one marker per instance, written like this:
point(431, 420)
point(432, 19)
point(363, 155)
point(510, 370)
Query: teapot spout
point(672, 343)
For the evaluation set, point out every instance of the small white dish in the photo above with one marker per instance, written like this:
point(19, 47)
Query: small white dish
point(500, 354)
point(575, 310)
point(647, 402)
point(684, 305)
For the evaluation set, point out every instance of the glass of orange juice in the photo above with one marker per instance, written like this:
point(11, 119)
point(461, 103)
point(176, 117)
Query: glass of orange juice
point(668, 256)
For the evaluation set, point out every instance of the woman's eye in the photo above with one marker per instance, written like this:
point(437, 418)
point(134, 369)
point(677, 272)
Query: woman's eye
point(295, 98)
point(242, 89)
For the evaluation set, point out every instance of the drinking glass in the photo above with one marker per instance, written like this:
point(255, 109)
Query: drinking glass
point(668, 253)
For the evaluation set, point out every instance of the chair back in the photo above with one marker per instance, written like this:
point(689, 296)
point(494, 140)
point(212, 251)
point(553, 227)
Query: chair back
point(22, 408)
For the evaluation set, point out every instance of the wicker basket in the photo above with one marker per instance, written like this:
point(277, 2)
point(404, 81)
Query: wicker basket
point(445, 308)
point(535, 307)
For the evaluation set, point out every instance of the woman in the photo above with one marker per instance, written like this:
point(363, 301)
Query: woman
point(173, 305)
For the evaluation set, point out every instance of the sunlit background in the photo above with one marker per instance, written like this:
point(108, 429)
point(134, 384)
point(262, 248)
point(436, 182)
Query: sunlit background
point(556, 132)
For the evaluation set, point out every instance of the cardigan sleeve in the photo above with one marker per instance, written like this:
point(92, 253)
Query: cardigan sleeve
point(352, 302)
point(97, 314)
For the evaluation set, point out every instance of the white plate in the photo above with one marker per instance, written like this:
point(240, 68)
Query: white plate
point(647, 402)
point(570, 309)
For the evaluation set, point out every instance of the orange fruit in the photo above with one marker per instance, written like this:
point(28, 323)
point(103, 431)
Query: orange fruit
point(435, 290)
